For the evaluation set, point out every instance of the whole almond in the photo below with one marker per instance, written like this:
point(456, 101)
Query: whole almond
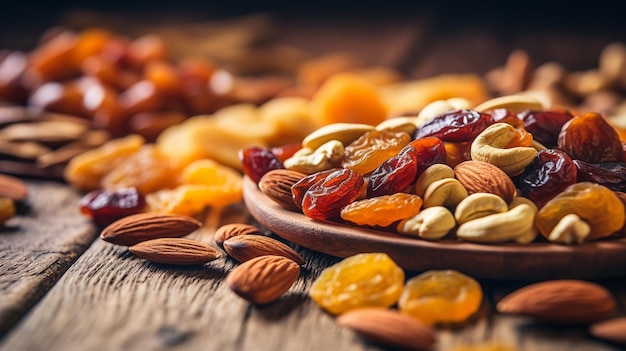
point(567, 301)
point(246, 247)
point(389, 327)
point(228, 231)
point(13, 188)
point(263, 279)
point(613, 330)
point(276, 184)
point(140, 227)
point(178, 251)
point(483, 177)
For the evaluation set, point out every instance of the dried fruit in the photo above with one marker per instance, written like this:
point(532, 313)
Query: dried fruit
point(257, 161)
point(382, 210)
point(191, 199)
point(145, 226)
point(455, 126)
point(263, 279)
point(545, 125)
point(232, 230)
point(389, 328)
point(441, 296)
point(7, 209)
point(362, 280)
point(566, 301)
point(589, 137)
point(373, 148)
point(610, 174)
point(547, 175)
point(325, 198)
point(106, 206)
point(177, 251)
point(594, 203)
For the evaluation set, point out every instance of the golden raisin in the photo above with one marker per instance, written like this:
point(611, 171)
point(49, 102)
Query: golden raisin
point(382, 210)
point(191, 199)
point(441, 296)
point(362, 280)
point(373, 148)
point(594, 203)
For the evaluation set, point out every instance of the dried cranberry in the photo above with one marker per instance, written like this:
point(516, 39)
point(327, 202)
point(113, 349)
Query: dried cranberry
point(550, 172)
point(610, 174)
point(256, 161)
point(545, 125)
point(460, 125)
point(106, 206)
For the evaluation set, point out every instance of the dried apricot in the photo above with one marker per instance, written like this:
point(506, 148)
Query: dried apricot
point(382, 210)
point(441, 296)
point(345, 97)
point(86, 170)
point(362, 280)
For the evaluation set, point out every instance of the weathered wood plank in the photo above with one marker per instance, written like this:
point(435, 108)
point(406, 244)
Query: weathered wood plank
point(37, 247)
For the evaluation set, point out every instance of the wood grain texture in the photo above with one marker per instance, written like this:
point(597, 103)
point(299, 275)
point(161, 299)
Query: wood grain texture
point(37, 246)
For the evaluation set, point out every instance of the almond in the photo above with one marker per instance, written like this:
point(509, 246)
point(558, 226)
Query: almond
point(246, 247)
point(389, 328)
point(560, 301)
point(276, 184)
point(613, 330)
point(140, 227)
point(13, 188)
point(228, 231)
point(263, 279)
point(483, 177)
point(179, 251)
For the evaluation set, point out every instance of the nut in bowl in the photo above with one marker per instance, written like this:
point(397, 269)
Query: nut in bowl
point(507, 238)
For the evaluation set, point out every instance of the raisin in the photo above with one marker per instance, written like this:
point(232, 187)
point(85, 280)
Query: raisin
point(362, 280)
point(373, 148)
point(460, 125)
point(593, 203)
point(502, 115)
point(106, 206)
point(325, 198)
point(300, 187)
point(383, 210)
point(400, 171)
point(441, 296)
point(545, 126)
point(590, 138)
point(550, 172)
point(256, 161)
point(610, 174)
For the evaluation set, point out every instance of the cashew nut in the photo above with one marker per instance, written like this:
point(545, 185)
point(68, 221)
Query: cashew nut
point(490, 146)
point(446, 192)
point(479, 205)
point(431, 223)
point(398, 124)
point(440, 107)
point(327, 156)
point(516, 224)
point(515, 103)
point(343, 132)
point(431, 174)
point(571, 229)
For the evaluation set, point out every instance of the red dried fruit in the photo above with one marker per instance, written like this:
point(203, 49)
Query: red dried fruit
point(256, 161)
point(546, 125)
point(547, 175)
point(106, 206)
point(460, 125)
point(325, 198)
point(611, 174)
point(590, 138)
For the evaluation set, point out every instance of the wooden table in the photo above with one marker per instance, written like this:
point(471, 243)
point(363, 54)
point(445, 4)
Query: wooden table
point(62, 288)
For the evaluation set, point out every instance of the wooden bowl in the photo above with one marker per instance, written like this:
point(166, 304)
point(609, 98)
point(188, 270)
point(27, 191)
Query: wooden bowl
point(535, 261)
